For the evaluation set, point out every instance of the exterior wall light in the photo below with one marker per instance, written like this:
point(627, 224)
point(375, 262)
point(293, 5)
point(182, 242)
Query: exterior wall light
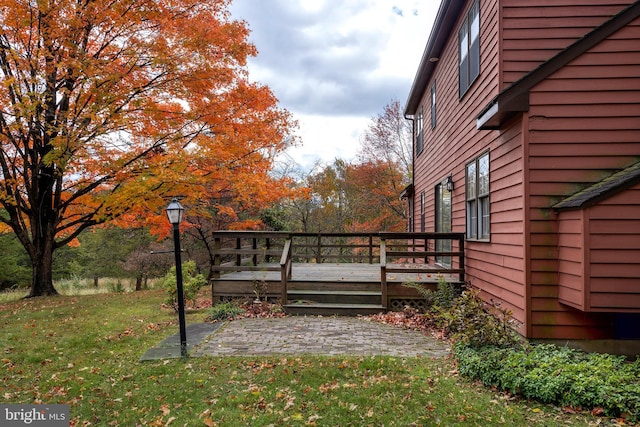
point(448, 183)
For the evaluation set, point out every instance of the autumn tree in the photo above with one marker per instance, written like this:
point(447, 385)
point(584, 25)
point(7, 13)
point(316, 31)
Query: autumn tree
point(372, 191)
point(352, 197)
point(110, 107)
point(388, 138)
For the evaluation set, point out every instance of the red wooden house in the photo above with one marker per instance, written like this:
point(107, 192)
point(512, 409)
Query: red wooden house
point(527, 136)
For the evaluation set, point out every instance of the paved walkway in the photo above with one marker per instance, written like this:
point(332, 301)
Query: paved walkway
point(297, 335)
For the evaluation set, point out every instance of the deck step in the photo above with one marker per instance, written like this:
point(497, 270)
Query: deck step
point(332, 309)
point(335, 297)
point(333, 285)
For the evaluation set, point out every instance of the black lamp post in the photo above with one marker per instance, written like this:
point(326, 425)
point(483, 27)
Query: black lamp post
point(175, 211)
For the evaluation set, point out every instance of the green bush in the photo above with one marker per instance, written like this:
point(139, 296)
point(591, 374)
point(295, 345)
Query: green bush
point(191, 284)
point(442, 297)
point(116, 286)
point(557, 375)
point(475, 323)
point(224, 311)
point(489, 350)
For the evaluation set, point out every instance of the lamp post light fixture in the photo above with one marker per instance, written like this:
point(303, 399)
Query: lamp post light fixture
point(175, 212)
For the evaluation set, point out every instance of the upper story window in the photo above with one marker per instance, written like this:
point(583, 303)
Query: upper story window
point(433, 105)
point(419, 133)
point(477, 191)
point(469, 44)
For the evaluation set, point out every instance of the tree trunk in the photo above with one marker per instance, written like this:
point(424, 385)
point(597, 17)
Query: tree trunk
point(139, 283)
point(42, 280)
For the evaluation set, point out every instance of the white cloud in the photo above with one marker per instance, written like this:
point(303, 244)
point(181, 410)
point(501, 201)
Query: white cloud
point(335, 64)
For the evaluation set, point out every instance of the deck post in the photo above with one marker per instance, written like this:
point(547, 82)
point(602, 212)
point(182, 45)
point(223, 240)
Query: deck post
point(217, 246)
point(383, 272)
point(370, 248)
point(239, 247)
point(319, 249)
point(285, 270)
point(254, 246)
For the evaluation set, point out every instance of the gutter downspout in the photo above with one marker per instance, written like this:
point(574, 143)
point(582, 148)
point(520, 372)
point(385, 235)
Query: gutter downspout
point(413, 160)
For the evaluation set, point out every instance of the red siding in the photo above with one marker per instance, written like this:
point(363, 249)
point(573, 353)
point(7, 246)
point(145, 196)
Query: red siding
point(614, 233)
point(535, 30)
point(568, 152)
point(581, 127)
point(571, 264)
point(497, 267)
point(599, 249)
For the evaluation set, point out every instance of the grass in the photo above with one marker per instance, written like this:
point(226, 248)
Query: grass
point(84, 351)
point(74, 286)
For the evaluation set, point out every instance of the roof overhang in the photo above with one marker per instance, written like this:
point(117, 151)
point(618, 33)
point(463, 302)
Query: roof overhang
point(443, 25)
point(515, 98)
point(599, 191)
point(407, 192)
point(501, 109)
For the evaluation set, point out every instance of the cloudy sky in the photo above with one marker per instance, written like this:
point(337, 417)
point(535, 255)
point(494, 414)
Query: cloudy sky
point(335, 64)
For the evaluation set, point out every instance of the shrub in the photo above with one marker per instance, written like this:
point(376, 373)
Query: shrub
point(191, 284)
point(446, 293)
point(470, 320)
point(116, 286)
point(489, 350)
point(443, 296)
point(224, 311)
point(557, 375)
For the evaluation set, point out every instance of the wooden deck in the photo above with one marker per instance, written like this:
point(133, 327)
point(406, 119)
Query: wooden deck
point(365, 275)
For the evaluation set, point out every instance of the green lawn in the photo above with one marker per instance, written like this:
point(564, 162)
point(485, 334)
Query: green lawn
point(84, 351)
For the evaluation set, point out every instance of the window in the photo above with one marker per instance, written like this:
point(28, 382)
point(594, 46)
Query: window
point(477, 189)
point(419, 136)
point(443, 222)
point(433, 105)
point(422, 219)
point(469, 44)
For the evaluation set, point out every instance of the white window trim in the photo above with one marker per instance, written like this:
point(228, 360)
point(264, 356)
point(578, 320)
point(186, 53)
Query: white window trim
point(478, 203)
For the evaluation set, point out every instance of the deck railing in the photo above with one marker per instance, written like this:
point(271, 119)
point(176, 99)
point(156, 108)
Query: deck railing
point(436, 254)
point(430, 253)
point(354, 248)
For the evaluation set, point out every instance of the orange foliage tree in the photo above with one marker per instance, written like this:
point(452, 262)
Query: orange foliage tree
point(107, 108)
point(374, 189)
point(358, 197)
